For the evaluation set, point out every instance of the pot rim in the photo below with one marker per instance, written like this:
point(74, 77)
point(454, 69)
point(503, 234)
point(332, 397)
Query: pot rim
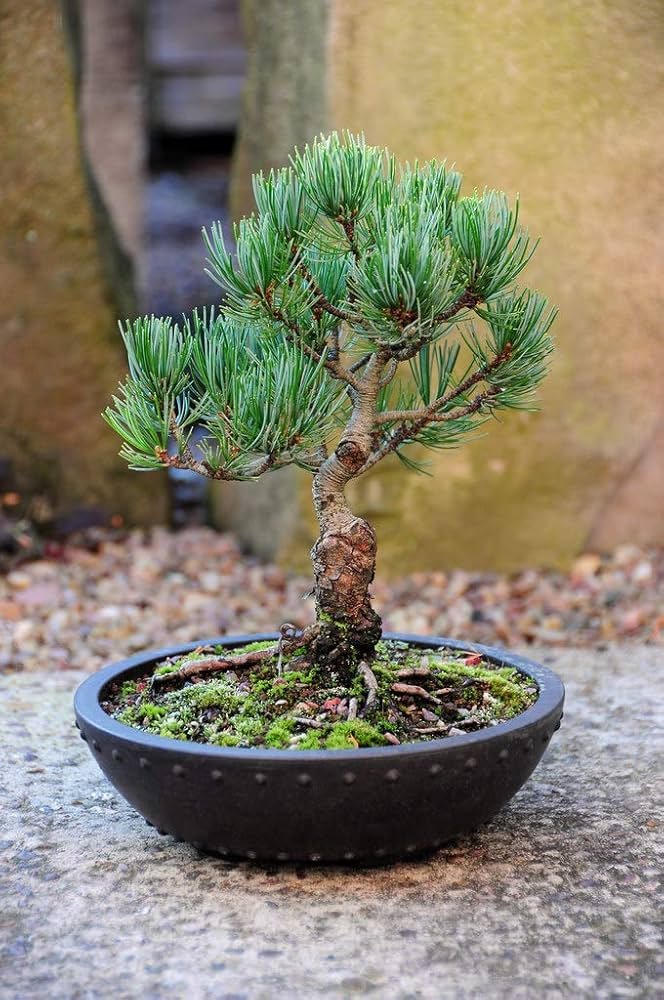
point(89, 711)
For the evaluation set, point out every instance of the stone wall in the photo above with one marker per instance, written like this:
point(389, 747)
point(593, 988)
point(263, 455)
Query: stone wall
point(61, 357)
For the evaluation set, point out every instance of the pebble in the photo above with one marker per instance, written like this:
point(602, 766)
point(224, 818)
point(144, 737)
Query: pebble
point(10, 611)
point(148, 589)
point(39, 593)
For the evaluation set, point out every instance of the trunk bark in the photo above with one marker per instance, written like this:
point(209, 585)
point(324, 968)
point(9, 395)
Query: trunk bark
point(344, 557)
point(344, 563)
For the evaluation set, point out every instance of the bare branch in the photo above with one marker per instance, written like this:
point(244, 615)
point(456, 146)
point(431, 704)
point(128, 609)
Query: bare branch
point(183, 462)
point(371, 685)
point(391, 371)
point(415, 691)
point(361, 362)
point(186, 460)
point(413, 421)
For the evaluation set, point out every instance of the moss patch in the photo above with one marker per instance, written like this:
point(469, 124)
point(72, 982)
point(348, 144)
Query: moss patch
point(421, 695)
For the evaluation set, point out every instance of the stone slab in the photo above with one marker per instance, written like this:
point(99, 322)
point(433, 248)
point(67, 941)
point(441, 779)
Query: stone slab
point(555, 899)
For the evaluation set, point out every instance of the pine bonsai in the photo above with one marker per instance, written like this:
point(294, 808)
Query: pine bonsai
point(368, 309)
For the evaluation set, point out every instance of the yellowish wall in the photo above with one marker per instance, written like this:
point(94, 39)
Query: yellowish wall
point(561, 102)
point(60, 355)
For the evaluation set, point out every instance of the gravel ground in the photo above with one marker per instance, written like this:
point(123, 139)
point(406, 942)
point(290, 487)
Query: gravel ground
point(89, 604)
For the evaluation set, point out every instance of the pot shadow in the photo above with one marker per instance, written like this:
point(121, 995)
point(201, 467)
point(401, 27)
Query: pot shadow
point(302, 868)
point(516, 837)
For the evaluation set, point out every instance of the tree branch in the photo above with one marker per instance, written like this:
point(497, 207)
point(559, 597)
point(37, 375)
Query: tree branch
point(348, 227)
point(394, 416)
point(187, 461)
point(389, 374)
point(321, 300)
point(192, 465)
point(413, 421)
point(332, 364)
point(361, 362)
point(407, 349)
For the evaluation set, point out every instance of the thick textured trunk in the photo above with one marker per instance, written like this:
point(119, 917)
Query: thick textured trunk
point(344, 556)
point(344, 562)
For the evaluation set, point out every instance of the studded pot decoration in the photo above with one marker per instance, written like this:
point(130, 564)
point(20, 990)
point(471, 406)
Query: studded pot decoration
point(365, 806)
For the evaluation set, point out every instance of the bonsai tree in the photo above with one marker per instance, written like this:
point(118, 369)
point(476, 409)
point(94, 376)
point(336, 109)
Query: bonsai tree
point(369, 311)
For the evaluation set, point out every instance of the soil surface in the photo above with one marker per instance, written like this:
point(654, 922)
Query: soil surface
point(405, 695)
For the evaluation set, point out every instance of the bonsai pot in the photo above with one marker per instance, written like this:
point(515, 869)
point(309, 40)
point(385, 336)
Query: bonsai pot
point(363, 806)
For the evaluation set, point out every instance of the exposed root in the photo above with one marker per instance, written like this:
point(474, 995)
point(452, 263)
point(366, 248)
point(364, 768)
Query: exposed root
point(416, 691)
point(352, 709)
point(213, 665)
point(371, 685)
point(290, 640)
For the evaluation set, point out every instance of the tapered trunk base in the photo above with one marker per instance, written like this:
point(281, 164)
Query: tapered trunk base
point(348, 628)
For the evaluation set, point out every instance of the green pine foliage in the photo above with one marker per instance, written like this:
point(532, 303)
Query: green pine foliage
point(348, 255)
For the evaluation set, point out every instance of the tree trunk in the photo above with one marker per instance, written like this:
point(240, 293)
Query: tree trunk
point(344, 562)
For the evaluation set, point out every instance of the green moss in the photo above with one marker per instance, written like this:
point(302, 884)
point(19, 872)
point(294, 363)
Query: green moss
point(326, 619)
point(266, 687)
point(248, 729)
point(173, 729)
point(225, 740)
point(129, 716)
point(220, 693)
point(504, 684)
point(280, 732)
point(349, 734)
point(151, 712)
point(311, 741)
point(167, 668)
point(251, 647)
point(259, 709)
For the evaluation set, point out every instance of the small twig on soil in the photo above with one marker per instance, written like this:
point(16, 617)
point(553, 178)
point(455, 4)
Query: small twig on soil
point(371, 685)
point(312, 723)
point(430, 730)
point(352, 709)
point(391, 738)
point(416, 691)
point(414, 672)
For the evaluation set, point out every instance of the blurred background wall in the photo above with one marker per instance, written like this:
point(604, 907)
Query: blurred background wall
point(560, 102)
point(563, 104)
point(65, 268)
